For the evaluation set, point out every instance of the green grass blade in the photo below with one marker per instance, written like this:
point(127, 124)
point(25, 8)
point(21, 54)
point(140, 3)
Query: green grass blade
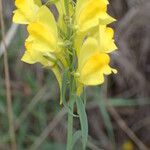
point(107, 120)
point(120, 102)
point(77, 135)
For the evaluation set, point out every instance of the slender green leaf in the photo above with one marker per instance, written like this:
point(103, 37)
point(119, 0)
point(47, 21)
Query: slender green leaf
point(77, 135)
point(118, 102)
point(52, 146)
point(107, 120)
point(83, 121)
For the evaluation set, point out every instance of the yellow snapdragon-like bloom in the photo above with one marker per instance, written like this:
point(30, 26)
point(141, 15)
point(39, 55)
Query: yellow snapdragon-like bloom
point(43, 38)
point(43, 32)
point(93, 64)
point(26, 11)
point(89, 12)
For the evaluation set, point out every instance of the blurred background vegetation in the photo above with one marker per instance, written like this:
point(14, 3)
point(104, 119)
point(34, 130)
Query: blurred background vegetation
point(118, 111)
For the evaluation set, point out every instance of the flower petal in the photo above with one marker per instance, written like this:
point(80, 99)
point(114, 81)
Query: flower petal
point(89, 12)
point(43, 32)
point(89, 47)
point(26, 11)
point(106, 41)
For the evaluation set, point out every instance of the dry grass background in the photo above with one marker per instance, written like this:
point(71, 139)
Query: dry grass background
point(40, 121)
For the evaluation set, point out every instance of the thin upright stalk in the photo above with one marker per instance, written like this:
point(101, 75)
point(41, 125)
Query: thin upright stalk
point(72, 84)
point(8, 87)
point(70, 128)
point(66, 3)
point(70, 116)
point(68, 20)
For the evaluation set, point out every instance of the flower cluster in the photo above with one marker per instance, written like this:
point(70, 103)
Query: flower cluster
point(77, 39)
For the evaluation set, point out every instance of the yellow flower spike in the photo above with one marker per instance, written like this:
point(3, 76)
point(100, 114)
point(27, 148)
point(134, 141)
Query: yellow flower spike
point(43, 32)
point(106, 41)
point(92, 64)
point(89, 12)
point(26, 11)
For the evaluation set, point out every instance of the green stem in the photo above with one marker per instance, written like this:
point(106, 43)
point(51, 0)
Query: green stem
point(72, 84)
point(68, 19)
point(66, 2)
point(70, 126)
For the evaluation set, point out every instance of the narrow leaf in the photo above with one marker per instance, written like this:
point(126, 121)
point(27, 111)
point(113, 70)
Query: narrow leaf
point(120, 102)
point(107, 120)
point(77, 135)
point(83, 121)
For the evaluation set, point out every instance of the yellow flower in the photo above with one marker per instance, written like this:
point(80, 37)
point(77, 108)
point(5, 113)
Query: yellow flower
point(26, 11)
point(43, 35)
point(89, 12)
point(93, 64)
point(42, 40)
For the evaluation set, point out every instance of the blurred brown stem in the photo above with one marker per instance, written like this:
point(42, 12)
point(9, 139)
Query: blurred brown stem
point(8, 87)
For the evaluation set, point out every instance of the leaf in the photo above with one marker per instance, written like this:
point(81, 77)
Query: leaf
point(83, 121)
point(107, 120)
point(120, 102)
point(49, 146)
point(76, 136)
